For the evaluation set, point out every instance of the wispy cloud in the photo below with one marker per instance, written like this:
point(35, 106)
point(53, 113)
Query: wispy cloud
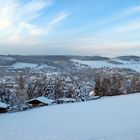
point(130, 11)
point(31, 23)
point(120, 36)
point(18, 20)
point(60, 16)
point(119, 16)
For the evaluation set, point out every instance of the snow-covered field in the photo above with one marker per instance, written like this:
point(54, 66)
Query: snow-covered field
point(109, 118)
point(99, 64)
point(20, 65)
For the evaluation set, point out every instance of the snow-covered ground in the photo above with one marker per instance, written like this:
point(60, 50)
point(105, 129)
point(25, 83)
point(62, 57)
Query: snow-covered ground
point(43, 66)
point(109, 118)
point(99, 64)
point(20, 65)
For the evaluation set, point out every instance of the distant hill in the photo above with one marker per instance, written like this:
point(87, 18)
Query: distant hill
point(129, 58)
point(37, 59)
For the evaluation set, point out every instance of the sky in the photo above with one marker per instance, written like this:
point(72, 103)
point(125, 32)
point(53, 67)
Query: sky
point(70, 27)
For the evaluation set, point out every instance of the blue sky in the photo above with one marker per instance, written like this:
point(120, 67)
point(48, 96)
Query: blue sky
point(71, 27)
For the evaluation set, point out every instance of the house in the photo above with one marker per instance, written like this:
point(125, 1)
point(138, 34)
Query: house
point(65, 100)
point(92, 96)
point(92, 93)
point(40, 101)
point(3, 107)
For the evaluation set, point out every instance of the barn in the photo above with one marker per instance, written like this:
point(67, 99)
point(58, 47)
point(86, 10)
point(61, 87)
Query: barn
point(40, 101)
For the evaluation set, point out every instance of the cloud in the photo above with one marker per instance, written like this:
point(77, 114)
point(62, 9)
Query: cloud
point(105, 47)
point(18, 20)
point(119, 16)
point(20, 27)
point(117, 35)
point(130, 11)
point(117, 39)
point(59, 17)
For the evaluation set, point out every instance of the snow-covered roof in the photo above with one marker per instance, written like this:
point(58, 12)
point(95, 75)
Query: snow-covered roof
point(43, 99)
point(67, 99)
point(3, 105)
point(91, 93)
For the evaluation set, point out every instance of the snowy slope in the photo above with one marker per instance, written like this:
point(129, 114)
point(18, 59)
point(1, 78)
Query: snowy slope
point(20, 65)
point(99, 64)
point(110, 118)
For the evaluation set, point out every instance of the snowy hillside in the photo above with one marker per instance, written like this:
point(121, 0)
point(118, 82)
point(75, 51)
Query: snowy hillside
point(134, 65)
point(109, 118)
point(6, 60)
point(19, 65)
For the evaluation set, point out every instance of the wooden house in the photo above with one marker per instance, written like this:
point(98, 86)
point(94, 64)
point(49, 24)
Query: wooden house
point(40, 101)
point(65, 100)
point(3, 107)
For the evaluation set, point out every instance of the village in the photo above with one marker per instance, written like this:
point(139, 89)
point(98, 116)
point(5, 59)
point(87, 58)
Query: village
point(26, 88)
